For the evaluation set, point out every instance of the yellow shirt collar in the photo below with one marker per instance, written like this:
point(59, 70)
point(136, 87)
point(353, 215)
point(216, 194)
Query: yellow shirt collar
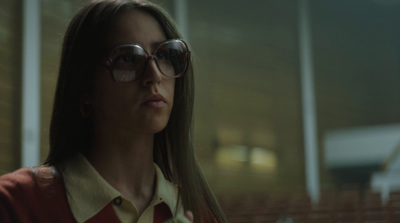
point(88, 192)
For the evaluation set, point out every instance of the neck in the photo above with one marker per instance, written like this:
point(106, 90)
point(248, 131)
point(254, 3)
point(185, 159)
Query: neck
point(125, 161)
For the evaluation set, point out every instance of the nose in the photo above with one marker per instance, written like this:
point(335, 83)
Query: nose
point(151, 74)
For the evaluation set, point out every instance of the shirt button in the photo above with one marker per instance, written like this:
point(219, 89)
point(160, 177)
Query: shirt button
point(117, 201)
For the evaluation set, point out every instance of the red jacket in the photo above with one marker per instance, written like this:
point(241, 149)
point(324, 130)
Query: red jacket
point(38, 195)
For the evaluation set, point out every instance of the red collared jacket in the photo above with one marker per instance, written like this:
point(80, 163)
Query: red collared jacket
point(37, 195)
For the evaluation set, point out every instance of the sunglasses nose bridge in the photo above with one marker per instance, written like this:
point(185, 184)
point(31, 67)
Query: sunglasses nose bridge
point(149, 59)
point(151, 63)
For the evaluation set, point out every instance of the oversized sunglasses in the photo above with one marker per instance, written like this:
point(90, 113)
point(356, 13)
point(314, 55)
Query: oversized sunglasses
point(128, 62)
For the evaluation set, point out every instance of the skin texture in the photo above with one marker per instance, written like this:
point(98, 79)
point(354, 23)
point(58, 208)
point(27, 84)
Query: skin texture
point(124, 125)
point(106, 141)
point(188, 218)
point(119, 105)
point(178, 219)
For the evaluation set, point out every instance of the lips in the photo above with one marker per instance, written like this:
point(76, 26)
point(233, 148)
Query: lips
point(155, 101)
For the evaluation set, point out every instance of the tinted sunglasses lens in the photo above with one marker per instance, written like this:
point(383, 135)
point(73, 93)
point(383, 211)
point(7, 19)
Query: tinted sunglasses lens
point(172, 58)
point(128, 62)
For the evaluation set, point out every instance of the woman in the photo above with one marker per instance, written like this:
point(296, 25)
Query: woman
point(120, 135)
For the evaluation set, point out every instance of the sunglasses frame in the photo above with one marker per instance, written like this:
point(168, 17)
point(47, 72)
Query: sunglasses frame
point(109, 63)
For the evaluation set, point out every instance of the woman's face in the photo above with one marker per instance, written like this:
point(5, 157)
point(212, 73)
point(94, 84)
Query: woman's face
point(142, 106)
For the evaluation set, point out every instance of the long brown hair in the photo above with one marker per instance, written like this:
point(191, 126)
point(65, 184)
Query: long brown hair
point(70, 133)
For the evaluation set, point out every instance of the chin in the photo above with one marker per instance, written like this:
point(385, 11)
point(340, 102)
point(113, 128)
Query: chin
point(156, 128)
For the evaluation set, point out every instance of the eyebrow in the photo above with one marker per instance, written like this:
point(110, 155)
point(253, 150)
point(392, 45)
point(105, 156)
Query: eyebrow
point(153, 45)
point(156, 44)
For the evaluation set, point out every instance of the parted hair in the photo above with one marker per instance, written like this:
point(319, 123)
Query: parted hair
point(70, 132)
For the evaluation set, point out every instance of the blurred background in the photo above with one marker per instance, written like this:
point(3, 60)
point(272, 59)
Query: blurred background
point(294, 98)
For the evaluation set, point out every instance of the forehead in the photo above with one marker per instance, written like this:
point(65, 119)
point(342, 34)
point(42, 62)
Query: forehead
point(135, 27)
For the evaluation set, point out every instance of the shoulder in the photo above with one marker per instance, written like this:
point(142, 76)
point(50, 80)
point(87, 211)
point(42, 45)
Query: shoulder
point(25, 192)
point(27, 183)
point(26, 179)
point(15, 181)
point(17, 176)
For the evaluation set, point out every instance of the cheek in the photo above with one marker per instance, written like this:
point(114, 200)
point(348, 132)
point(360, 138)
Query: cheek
point(171, 88)
point(101, 89)
point(102, 101)
point(106, 95)
point(170, 91)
